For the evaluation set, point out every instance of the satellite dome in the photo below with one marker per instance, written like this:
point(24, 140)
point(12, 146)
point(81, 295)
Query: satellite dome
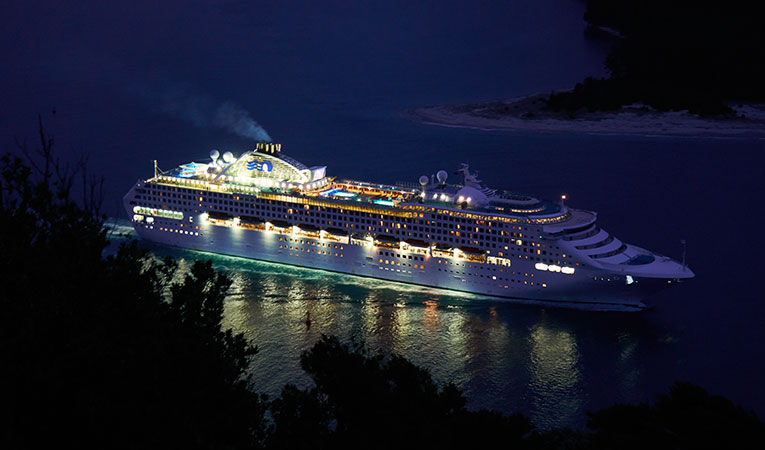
point(423, 180)
point(441, 175)
point(472, 196)
point(214, 154)
point(228, 157)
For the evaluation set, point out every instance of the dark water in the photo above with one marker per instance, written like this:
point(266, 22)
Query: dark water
point(331, 83)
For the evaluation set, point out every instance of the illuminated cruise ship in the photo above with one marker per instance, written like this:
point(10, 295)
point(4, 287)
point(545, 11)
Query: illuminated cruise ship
point(463, 236)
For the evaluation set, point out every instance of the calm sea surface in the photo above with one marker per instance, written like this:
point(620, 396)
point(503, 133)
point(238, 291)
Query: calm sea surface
point(332, 83)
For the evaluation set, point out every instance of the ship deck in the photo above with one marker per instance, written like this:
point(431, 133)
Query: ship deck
point(360, 193)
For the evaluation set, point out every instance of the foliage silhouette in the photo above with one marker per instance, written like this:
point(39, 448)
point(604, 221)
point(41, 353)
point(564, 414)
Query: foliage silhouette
point(109, 351)
point(674, 55)
point(686, 418)
point(375, 402)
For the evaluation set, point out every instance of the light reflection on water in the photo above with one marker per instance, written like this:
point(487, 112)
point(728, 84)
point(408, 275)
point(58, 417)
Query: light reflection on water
point(547, 363)
point(554, 374)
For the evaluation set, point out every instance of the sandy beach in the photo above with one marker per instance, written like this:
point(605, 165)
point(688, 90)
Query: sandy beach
point(528, 114)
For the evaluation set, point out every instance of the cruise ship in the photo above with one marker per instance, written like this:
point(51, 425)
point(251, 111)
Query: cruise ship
point(460, 236)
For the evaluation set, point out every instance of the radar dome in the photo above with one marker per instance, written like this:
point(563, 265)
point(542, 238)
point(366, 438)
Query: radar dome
point(423, 180)
point(228, 157)
point(214, 154)
point(472, 196)
point(441, 175)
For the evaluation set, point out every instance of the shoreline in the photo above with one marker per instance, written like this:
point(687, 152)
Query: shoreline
point(527, 113)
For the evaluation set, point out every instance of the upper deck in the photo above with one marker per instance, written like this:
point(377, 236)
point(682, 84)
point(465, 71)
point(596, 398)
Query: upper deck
point(265, 172)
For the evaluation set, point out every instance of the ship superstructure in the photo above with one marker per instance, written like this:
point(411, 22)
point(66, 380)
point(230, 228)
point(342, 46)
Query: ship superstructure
point(467, 237)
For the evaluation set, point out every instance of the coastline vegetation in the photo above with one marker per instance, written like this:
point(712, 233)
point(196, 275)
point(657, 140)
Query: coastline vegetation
point(674, 55)
point(127, 351)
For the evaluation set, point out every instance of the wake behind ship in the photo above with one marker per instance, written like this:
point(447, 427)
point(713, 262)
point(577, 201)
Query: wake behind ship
point(466, 237)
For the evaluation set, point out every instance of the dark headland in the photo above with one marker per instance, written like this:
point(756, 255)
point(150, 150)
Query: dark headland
point(675, 68)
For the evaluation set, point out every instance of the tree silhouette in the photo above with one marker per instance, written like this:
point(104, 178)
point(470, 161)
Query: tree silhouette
point(686, 418)
point(675, 55)
point(375, 402)
point(107, 351)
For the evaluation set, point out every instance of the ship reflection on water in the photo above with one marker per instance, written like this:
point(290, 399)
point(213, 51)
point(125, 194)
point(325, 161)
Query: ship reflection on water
point(553, 365)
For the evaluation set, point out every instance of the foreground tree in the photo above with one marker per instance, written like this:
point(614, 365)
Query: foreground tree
point(108, 351)
point(674, 55)
point(686, 418)
point(368, 401)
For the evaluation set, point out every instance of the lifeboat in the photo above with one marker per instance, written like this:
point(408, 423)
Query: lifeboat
point(281, 224)
point(384, 240)
point(336, 231)
point(215, 215)
point(417, 243)
point(249, 220)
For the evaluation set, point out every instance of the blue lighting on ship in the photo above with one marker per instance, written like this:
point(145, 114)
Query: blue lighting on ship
point(262, 166)
point(337, 193)
point(187, 170)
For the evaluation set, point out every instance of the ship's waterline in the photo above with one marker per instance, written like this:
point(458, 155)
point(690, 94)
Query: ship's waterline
point(462, 237)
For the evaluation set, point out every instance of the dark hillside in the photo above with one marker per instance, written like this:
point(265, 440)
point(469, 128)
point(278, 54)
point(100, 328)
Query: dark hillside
point(675, 55)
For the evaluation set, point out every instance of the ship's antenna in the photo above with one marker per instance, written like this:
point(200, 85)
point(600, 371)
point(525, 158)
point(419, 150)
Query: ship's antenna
point(155, 168)
point(682, 242)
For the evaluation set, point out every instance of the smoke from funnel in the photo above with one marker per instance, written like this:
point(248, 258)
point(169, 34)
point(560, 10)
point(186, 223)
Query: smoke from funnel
point(164, 94)
point(235, 119)
point(183, 102)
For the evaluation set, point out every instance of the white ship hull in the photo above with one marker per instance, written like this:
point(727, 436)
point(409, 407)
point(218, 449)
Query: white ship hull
point(592, 287)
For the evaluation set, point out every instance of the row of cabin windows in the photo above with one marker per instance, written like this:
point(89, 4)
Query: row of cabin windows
point(399, 263)
point(493, 277)
point(310, 250)
point(509, 253)
point(493, 246)
point(310, 242)
point(348, 216)
point(388, 224)
point(440, 221)
point(216, 198)
point(398, 255)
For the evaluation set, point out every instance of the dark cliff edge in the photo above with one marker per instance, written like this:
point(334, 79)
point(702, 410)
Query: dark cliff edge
point(675, 68)
point(671, 56)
